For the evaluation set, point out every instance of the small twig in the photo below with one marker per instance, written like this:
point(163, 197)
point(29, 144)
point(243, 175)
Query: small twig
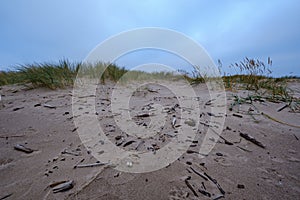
point(10, 136)
point(208, 103)
point(49, 106)
point(226, 141)
point(71, 153)
point(281, 122)
point(6, 196)
point(242, 148)
point(282, 108)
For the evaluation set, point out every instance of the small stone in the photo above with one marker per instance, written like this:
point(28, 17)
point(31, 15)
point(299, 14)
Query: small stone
point(240, 186)
point(55, 159)
point(129, 164)
point(188, 163)
point(118, 137)
point(219, 154)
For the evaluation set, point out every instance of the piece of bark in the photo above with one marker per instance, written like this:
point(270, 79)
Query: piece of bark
point(252, 139)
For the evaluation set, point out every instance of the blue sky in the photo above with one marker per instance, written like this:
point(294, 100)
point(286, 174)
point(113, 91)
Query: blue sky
point(45, 31)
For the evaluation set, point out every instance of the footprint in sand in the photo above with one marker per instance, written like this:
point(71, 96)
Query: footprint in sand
point(178, 194)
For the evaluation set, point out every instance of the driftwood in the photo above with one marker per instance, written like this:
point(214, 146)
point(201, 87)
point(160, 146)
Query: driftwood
point(49, 106)
point(19, 108)
point(191, 152)
point(143, 115)
point(237, 115)
point(218, 197)
point(283, 107)
point(90, 165)
point(199, 174)
point(204, 192)
point(6, 196)
point(209, 102)
point(215, 182)
point(279, 121)
point(70, 153)
point(22, 148)
point(226, 141)
point(10, 136)
point(174, 122)
point(252, 139)
point(63, 186)
point(190, 186)
point(244, 149)
point(128, 143)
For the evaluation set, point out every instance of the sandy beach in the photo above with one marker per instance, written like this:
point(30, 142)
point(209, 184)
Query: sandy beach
point(42, 120)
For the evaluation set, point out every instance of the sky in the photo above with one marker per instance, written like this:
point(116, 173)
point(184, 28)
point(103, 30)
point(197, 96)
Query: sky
point(47, 31)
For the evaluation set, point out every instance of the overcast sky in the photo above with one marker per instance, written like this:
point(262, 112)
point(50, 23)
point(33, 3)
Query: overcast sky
point(42, 31)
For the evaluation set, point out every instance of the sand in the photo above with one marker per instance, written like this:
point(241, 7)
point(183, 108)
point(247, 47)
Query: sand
point(242, 170)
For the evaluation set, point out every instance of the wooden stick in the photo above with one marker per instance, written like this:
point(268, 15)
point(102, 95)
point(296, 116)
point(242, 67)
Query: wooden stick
point(20, 147)
point(199, 174)
point(89, 165)
point(10, 136)
point(215, 182)
point(204, 192)
point(190, 186)
point(252, 139)
point(282, 108)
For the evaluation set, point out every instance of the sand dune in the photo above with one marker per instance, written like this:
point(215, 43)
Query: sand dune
point(236, 168)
